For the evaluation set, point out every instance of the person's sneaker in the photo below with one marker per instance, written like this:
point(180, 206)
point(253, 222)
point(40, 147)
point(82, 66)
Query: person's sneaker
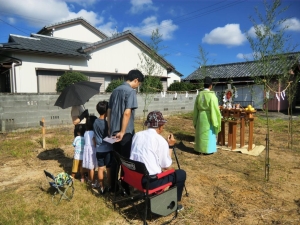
point(102, 191)
point(179, 208)
point(96, 185)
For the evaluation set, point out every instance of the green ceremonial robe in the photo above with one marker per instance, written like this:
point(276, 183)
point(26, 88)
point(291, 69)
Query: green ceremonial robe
point(207, 122)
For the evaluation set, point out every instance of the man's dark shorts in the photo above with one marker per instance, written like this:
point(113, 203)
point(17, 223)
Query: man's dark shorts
point(104, 159)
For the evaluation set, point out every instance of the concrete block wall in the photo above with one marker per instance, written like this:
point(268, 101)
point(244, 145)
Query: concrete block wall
point(19, 111)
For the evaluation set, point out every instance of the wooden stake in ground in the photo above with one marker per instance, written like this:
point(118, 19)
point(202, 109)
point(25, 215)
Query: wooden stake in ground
point(42, 123)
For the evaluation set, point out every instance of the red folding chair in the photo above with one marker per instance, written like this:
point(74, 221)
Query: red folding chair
point(161, 202)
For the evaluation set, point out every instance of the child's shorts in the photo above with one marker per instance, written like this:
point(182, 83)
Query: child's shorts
point(76, 164)
point(104, 159)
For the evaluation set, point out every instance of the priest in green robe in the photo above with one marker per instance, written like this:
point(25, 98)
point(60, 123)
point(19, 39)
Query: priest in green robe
point(206, 119)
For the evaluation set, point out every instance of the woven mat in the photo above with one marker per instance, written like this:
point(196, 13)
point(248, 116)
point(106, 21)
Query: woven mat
point(256, 149)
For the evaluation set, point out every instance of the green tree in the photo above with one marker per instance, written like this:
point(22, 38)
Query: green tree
point(269, 45)
point(69, 77)
point(113, 84)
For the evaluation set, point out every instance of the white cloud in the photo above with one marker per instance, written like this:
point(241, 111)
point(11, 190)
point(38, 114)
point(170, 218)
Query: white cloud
point(89, 16)
point(292, 24)
point(252, 31)
point(109, 28)
point(11, 20)
point(40, 13)
point(229, 35)
point(248, 56)
point(139, 6)
point(166, 28)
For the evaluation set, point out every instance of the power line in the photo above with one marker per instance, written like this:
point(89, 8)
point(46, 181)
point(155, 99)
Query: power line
point(13, 26)
point(197, 15)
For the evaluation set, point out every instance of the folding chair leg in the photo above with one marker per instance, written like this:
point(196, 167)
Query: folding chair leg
point(147, 202)
point(63, 194)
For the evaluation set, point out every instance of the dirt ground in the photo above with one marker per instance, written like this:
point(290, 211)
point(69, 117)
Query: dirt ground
point(224, 188)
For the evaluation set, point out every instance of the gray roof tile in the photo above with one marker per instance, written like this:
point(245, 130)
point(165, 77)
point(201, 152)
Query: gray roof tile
point(45, 44)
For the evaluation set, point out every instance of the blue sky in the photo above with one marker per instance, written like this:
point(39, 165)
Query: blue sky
point(218, 26)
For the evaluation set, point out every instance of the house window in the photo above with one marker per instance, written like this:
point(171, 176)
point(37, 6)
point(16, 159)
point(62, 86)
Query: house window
point(175, 81)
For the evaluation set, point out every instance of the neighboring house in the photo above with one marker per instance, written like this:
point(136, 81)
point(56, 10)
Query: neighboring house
point(173, 77)
point(33, 64)
point(241, 76)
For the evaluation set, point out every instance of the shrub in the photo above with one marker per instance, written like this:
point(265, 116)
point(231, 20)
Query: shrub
point(183, 86)
point(113, 84)
point(151, 84)
point(69, 77)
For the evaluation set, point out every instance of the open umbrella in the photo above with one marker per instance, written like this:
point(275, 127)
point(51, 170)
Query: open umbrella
point(77, 94)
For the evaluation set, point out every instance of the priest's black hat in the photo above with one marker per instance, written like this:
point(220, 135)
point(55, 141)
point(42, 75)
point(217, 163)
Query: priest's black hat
point(208, 80)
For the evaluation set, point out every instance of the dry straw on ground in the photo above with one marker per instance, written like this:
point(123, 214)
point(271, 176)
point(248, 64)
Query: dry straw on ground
point(224, 188)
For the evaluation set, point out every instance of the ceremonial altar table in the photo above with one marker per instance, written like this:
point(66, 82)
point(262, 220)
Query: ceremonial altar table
point(234, 117)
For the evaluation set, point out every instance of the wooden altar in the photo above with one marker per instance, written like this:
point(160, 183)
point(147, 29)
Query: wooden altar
point(234, 117)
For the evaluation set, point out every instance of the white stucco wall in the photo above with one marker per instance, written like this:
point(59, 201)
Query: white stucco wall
point(26, 78)
point(172, 77)
point(76, 32)
point(122, 55)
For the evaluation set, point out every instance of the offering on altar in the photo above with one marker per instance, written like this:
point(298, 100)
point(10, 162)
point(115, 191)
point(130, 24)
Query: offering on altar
point(228, 96)
point(249, 108)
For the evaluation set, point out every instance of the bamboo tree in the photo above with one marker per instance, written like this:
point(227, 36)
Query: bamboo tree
point(150, 66)
point(202, 61)
point(294, 78)
point(269, 46)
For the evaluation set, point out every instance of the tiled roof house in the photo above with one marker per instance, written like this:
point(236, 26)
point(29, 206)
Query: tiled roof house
point(33, 64)
point(242, 74)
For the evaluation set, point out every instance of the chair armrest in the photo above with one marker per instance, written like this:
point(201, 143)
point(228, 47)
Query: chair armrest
point(165, 173)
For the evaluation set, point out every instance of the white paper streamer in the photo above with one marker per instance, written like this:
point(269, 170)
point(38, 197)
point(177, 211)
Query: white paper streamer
point(281, 94)
point(236, 94)
point(197, 92)
point(267, 94)
point(186, 94)
point(175, 95)
point(224, 98)
point(278, 98)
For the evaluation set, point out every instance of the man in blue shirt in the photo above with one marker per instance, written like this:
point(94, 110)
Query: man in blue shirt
point(120, 118)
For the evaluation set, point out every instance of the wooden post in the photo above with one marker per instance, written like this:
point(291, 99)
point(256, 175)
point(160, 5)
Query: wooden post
point(221, 135)
point(250, 142)
point(242, 131)
point(229, 134)
point(233, 134)
point(42, 123)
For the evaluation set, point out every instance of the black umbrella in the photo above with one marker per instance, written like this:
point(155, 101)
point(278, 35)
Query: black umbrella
point(77, 94)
